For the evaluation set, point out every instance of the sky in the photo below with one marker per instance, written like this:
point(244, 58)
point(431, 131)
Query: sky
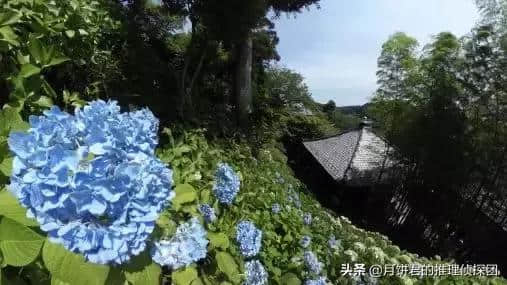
point(336, 47)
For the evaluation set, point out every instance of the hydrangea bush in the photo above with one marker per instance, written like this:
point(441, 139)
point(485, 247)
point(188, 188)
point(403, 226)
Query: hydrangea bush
point(305, 241)
point(226, 184)
point(249, 238)
point(186, 246)
point(207, 212)
point(215, 230)
point(255, 273)
point(91, 180)
point(312, 263)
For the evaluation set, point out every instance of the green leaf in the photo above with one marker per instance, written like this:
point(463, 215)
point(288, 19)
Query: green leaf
point(22, 59)
point(181, 150)
point(185, 276)
point(205, 196)
point(10, 208)
point(116, 276)
point(9, 17)
point(185, 193)
point(55, 281)
point(72, 268)
point(141, 270)
point(18, 243)
point(28, 70)
point(44, 102)
point(228, 266)
point(70, 33)
point(56, 61)
point(276, 271)
point(48, 89)
point(8, 35)
point(197, 281)
point(10, 120)
point(290, 279)
point(36, 50)
point(6, 166)
point(82, 32)
point(218, 240)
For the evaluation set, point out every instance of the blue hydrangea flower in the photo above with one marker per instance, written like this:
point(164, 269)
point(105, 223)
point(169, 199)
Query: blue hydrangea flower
point(305, 241)
point(307, 219)
point(319, 281)
point(255, 273)
point(249, 238)
point(312, 262)
point(186, 246)
point(279, 178)
point(293, 197)
point(207, 212)
point(275, 208)
point(333, 242)
point(91, 180)
point(226, 185)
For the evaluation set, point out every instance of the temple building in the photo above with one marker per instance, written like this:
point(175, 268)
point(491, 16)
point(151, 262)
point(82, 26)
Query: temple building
point(356, 158)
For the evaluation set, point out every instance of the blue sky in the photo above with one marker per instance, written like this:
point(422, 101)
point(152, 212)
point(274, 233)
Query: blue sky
point(336, 48)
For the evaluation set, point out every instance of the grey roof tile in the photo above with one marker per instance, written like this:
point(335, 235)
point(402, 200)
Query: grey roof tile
point(335, 153)
point(356, 157)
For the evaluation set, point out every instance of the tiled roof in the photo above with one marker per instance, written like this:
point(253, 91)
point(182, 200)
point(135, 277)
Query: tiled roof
point(335, 153)
point(357, 157)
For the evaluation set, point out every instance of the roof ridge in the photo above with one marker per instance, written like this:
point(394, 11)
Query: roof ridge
point(353, 153)
point(335, 135)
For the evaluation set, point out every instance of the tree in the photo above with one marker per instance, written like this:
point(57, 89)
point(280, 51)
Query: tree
point(329, 107)
point(485, 88)
point(396, 66)
point(399, 79)
point(234, 23)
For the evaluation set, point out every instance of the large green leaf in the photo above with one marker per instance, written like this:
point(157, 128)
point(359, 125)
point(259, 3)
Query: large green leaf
point(72, 268)
point(10, 208)
point(18, 243)
point(142, 271)
point(218, 240)
point(37, 50)
point(56, 281)
point(290, 279)
point(56, 60)
point(228, 266)
point(70, 33)
point(6, 166)
point(185, 276)
point(185, 193)
point(10, 120)
point(9, 17)
point(28, 70)
point(44, 101)
point(197, 281)
point(8, 35)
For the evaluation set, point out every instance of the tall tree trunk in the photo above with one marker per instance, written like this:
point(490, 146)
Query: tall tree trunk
point(243, 81)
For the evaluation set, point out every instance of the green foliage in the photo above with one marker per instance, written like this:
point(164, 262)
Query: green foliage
point(285, 108)
point(19, 244)
point(266, 179)
point(280, 252)
point(185, 276)
point(10, 208)
point(228, 266)
point(71, 268)
point(141, 270)
point(50, 47)
point(185, 193)
point(38, 37)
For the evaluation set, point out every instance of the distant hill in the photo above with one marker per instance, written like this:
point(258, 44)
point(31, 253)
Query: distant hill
point(357, 110)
